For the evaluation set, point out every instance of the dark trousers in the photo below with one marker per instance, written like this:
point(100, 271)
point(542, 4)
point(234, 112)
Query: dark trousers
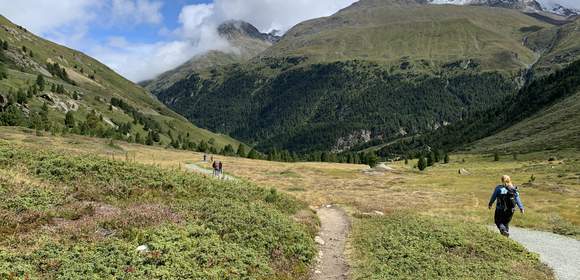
point(503, 218)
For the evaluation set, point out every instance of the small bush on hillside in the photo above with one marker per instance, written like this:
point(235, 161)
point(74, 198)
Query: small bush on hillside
point(406, 246)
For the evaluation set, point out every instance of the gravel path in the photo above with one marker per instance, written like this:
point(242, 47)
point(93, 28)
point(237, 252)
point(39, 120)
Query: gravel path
point(196, 168)
point(334, 230)
point(561, 253)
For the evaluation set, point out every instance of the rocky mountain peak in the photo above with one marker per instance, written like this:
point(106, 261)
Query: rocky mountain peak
point(234, 29)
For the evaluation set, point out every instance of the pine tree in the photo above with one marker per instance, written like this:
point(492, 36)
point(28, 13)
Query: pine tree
point(40, 82)
point(202, 147)
point(69, 120)
point(253, 154)
point(430, 159)
point(496, 156)
point(422, 165)
point(372, 160)
point(149, 141)
point(138, 138)
point(241, 151)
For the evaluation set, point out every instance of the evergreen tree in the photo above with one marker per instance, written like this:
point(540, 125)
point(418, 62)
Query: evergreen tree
point(138, 138)
point(241, 151)
point(253, 154)
point(12, 116)
point(149, 141)
point(422, 164)
point(229, 150)
point(496, 156)
point(446, 158)
point(202, 147)
point(40, 82)
point(69, 120)
point(430, 159)
point(372, 160)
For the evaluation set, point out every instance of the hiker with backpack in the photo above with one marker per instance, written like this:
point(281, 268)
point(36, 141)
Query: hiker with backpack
point(220, 169)
point(507, 198)
point(215, 168)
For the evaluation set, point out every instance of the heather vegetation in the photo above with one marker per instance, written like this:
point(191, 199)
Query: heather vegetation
point(65, 216)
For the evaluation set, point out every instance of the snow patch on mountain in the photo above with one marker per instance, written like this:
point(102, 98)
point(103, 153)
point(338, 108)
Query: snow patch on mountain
point(552, 6)
point(559, 8)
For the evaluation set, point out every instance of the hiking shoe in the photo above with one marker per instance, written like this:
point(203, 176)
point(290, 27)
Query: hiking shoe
point(505, 233)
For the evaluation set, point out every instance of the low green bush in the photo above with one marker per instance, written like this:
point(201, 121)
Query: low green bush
point(211, 229)
point(406, 246)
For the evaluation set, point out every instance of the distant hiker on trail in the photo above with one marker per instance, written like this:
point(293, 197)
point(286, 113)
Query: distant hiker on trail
point(507, 197)
point(220, 168)
point(215, 168)
point(204, 157)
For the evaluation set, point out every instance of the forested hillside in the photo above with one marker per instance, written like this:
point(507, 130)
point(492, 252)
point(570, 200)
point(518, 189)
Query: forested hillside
point(543, 115)
point(48, 87)
point(308, 108)
point(372, 73)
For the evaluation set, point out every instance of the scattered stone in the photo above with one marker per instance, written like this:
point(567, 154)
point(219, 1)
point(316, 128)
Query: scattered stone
point(317, 271)
point(104, 232)
point(328, 206)
point(379, 213)
point(464, 171)
point(142, 249)
point(319, 240)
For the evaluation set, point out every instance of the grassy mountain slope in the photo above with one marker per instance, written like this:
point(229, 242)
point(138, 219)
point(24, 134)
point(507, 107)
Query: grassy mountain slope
point(373, 72)
point(559, 45)
point(555, 127)
point(245, 42)
point(87, 86)
point(428, 36)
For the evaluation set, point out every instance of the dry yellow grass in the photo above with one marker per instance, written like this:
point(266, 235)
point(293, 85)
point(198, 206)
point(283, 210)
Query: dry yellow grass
point(552, 201)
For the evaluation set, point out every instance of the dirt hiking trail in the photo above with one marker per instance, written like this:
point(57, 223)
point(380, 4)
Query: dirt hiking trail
point(331, 262)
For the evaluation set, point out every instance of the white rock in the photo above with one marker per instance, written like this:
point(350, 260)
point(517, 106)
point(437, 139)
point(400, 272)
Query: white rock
point(142, 249)
point(319, 240)
point(379, 213)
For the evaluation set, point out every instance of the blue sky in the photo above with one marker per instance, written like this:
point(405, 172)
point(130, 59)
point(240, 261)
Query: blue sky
point(143, 38)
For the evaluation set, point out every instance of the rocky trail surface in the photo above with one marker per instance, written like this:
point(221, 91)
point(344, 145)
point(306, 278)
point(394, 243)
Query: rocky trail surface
point(332, 263)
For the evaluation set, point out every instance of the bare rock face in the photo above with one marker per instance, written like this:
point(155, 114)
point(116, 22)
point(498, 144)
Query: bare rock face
point(351, 140)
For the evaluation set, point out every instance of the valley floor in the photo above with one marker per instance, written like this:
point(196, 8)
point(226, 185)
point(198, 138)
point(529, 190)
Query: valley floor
point(396, 210)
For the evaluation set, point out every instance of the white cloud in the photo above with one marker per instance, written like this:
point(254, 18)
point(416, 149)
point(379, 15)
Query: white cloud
point(42, 16)
point(268, 15)
point(197, 33)
point(136, 12)
point(69, 22)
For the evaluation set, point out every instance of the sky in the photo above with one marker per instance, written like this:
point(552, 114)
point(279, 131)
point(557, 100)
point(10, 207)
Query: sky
point(143, 38)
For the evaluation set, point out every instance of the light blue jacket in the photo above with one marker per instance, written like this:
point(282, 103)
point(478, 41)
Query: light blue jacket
point(501, 189)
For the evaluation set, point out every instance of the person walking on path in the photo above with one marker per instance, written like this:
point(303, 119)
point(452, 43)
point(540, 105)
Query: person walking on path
point(507, 198)
point(215, 168)
point(204, 157)
point(220, 168)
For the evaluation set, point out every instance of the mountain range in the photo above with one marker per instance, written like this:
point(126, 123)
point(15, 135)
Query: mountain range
point(377, 71)
point(49, 87)
point(245, 42)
